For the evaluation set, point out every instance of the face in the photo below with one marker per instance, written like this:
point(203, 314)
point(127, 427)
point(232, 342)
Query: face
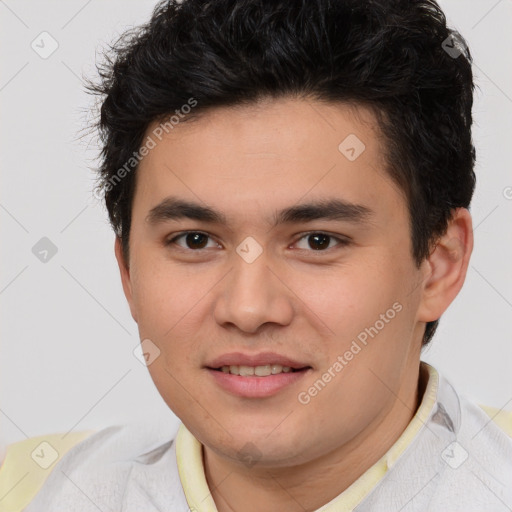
point(255, 271)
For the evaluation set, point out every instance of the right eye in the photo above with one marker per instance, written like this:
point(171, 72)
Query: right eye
point(194, 240)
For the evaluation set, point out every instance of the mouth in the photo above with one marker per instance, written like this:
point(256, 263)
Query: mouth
point(256, 375)
point(258, 371)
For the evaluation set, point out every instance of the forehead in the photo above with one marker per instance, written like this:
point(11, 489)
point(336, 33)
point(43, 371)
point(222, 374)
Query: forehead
point(270, 154)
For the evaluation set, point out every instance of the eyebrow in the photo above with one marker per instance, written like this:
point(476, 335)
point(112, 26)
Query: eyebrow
point(172, 208)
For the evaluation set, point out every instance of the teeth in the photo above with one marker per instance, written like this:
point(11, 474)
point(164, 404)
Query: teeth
point(245, 371)
point(258, 371)
point(276, 368)
point(263, 371)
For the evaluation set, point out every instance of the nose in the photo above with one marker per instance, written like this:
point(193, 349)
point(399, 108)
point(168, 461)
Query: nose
point(253, 294)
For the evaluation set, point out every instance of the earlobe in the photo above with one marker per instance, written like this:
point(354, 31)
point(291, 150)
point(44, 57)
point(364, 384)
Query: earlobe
point(447, 267)
point(125, 276)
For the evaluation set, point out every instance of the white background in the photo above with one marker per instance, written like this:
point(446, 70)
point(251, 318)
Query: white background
point(66, 357)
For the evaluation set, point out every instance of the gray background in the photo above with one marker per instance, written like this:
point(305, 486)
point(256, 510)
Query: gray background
point(66, 354)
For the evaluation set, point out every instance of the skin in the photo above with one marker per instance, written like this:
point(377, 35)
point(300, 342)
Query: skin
point(196, 304)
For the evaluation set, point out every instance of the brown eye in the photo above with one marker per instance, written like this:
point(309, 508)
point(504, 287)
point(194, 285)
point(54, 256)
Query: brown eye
point(194, 240)
point(320, 242)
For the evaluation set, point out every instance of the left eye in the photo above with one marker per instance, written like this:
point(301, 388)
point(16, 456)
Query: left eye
point(320, 241)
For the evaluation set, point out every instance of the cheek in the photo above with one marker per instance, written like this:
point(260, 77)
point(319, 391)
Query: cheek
point(162, 294)
point(172, 306)
point(168, 306)
point(371, 313)
point(353, 297)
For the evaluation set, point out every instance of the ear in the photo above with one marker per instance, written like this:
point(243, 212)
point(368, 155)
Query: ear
point(124, 269)
point(446, 267)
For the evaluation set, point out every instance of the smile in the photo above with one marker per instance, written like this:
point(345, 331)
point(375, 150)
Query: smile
point(244, 382)
point(257, 371)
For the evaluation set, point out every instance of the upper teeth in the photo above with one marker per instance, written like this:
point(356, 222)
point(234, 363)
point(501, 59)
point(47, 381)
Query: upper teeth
point(259, 371)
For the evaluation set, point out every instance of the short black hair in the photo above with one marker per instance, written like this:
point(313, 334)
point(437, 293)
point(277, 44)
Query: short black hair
point(397, 57)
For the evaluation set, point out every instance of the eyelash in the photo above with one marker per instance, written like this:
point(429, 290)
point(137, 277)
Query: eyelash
point(342, 242)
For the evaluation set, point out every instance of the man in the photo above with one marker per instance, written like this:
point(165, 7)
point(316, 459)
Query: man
point(289, 185)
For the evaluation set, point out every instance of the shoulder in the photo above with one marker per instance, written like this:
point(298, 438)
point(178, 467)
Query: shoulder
point(479, 462)
point(485, 425)
point(99, 462)
point(28, 463)
point(501, 418)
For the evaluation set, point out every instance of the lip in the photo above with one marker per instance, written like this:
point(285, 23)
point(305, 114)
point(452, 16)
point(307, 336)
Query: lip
point(256, 387)
point(261, 359)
